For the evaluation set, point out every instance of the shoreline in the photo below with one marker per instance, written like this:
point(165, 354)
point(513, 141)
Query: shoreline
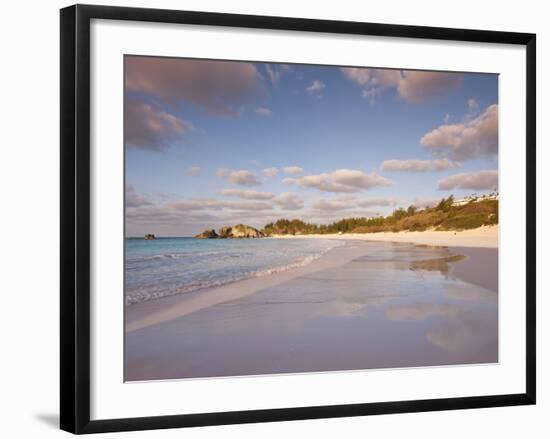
point(144, 314)
point(483, 237)
point(357, 288)
point(149, 313)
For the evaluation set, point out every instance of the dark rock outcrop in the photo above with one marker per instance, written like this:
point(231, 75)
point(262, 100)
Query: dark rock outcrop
point(225, 232)
point(207, 234)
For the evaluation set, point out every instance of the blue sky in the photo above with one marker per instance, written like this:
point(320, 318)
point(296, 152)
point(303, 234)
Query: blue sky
point(211, 143)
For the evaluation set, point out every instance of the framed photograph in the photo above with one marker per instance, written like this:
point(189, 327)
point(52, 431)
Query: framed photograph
point(268, 218)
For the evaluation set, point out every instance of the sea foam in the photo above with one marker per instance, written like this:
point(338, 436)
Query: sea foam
point(169, 266)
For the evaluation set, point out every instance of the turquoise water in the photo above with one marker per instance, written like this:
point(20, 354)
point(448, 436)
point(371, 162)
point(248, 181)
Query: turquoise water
point(168, 266)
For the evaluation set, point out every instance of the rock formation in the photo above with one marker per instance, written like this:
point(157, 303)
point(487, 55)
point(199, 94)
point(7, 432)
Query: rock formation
point(236, 231)
point(225, 232)
point(149, 236)
point(207, 234)
point(244, 231)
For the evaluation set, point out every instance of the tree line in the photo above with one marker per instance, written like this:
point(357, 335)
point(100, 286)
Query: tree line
point(443, 216)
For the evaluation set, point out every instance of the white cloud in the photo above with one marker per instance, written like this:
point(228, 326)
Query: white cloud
point(316, 87)
point(248, 194)
point(466, 141)
point(411, 85)
point(262, 111)
point(358, 75)
point(273, 74)
point(270, 172)
point(276, 71)
point(293, 170)
point(193, 170)
point(473, 105)
point(340, 181)
point(471, 180)
point(241, 177)
point(288, 201)
point(419, 165)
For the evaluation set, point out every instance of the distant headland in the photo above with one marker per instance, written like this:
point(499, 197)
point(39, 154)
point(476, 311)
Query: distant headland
point(448, 215)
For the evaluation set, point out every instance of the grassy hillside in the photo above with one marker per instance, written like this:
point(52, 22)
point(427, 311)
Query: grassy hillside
point(444, 216)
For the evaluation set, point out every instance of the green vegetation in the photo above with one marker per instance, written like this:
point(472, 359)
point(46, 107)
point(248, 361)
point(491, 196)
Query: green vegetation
point(290, 227)
point(444, 216)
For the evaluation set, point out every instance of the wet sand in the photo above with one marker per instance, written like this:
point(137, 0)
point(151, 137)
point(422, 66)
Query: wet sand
point(363, 305)
point(479, 267)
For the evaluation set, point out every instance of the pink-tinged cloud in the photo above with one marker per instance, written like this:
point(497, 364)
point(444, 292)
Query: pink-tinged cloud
point(288, 201)
point(411, 85)
point(340, 181)
point(372, 77)
point(332, 205)
point(223, 172)
point(193, 171)
point(419, 165)
point(248, 194)
point(466, 141)
point(150, 128)
point(133, 198)
point(270, 172)
point(240, 177)
point(212, 204)
point(479, 180)
point(377, 202)
point(216, 86)
point(293, 170)
point(244, 178)
point(417, 86)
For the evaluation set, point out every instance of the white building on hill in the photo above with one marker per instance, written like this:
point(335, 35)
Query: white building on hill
point(475, 199)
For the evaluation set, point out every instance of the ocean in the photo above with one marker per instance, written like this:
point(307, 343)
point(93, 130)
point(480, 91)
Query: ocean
point(168, 266)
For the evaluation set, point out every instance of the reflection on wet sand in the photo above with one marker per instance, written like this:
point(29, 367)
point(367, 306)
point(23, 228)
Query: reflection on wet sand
point(395, 305)
point(421, 311)
point(440, 264)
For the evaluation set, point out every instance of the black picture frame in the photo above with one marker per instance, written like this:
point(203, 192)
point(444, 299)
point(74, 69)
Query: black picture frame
point(75, 217)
